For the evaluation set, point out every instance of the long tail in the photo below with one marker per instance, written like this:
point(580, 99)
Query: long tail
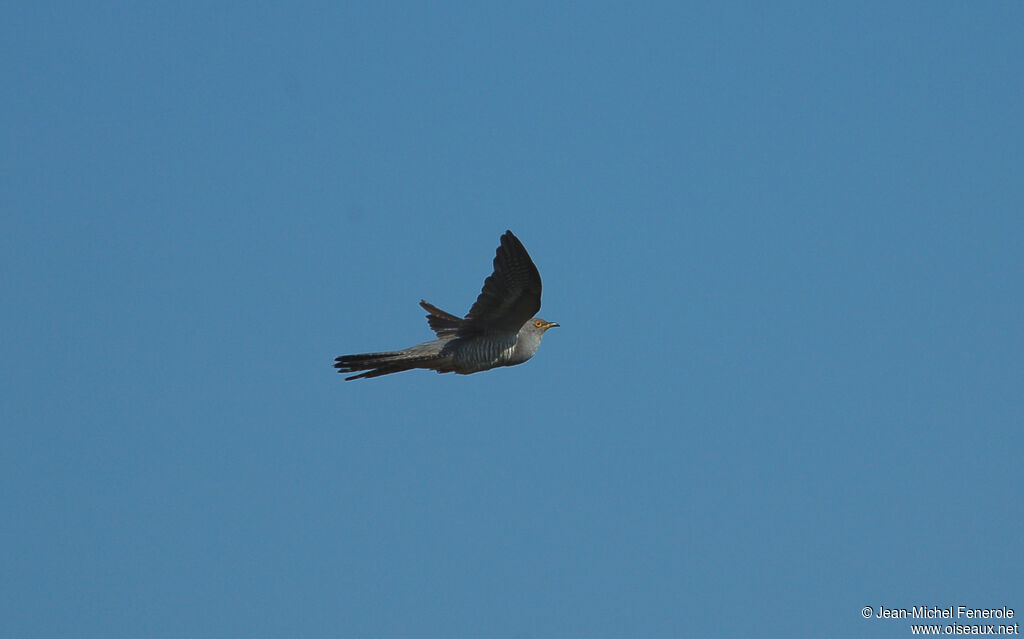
point(377, 364)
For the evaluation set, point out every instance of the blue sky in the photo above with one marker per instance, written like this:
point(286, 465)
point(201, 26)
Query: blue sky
point(784, 245)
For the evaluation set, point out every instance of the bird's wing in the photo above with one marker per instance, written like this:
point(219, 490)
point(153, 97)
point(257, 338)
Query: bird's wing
point(444, 324)
point(511, 294)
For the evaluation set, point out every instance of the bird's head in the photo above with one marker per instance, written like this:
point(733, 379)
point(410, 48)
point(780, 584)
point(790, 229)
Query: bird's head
point(542, 325)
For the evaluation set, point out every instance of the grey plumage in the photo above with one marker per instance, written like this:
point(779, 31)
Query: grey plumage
point(499, 329)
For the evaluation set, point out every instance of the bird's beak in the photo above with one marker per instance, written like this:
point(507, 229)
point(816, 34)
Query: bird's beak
point(553, 324)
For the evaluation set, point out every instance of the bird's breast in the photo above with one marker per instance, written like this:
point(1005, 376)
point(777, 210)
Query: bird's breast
point(482, 352)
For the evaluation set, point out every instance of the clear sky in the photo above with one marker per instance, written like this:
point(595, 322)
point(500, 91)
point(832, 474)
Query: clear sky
point(784, 244)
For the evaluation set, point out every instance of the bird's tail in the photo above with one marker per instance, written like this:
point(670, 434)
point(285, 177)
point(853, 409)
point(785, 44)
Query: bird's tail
point(377, 364)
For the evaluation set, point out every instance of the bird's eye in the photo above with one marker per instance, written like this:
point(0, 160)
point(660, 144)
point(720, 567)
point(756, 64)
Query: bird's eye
point(538, 323)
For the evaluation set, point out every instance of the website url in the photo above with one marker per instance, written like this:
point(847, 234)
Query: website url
point(965, 629)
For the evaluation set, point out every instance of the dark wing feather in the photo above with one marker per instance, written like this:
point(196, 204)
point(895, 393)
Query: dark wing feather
point(444, 324)
point(511, 294)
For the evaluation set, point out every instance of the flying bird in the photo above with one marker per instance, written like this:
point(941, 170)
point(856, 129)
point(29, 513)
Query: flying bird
point(499, 330)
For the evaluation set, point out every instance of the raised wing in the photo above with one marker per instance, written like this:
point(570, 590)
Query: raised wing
point(511, 294)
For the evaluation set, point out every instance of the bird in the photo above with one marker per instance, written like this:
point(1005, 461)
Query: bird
point(499, 330)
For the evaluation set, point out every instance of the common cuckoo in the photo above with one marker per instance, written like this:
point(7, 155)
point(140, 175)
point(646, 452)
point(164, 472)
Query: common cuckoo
point(499, 330)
